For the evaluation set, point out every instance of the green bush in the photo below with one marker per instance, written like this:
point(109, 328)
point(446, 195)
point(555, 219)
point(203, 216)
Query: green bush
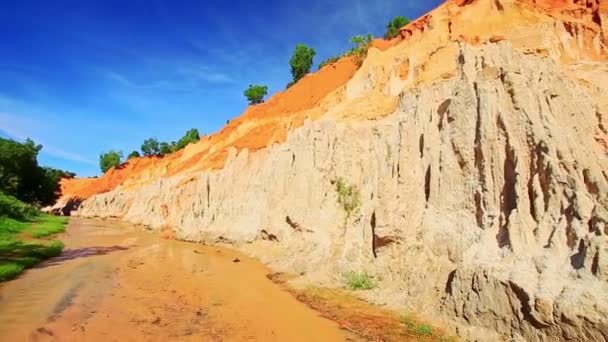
point(192, 136)
point(359, 281)
point(424, 330)
point(150, 147)
point(393, 27)
point(301, 61)
point(348, 197)
point(360, 48)
point(255, 94)
point(133, 154)
point(329, 61)
point(13, 208)
point(109, 160)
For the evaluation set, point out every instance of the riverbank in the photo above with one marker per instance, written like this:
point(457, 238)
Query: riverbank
point(115, 280)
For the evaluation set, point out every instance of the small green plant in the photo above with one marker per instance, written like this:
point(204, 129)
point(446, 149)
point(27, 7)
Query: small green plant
point(255, 94)
point(330, 60)
point(393, 27)
point(359, 281)
point(360, 48)
point(423, 330)
point(348, 197)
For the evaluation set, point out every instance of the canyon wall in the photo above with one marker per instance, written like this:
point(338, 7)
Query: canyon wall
point(480, 156)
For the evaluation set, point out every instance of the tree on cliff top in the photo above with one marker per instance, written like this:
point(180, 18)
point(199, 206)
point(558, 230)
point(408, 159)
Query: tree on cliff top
point(301, 61)
point(150, 147)
point(109, 160)
point(255, 94)
point(393, 27)
point(190, 137)
point(133, 154)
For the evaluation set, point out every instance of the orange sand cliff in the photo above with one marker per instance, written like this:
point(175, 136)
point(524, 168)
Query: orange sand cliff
point(427, 56)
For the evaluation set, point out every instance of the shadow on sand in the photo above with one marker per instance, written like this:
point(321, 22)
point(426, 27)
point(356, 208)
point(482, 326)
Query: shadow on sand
point(70, 254)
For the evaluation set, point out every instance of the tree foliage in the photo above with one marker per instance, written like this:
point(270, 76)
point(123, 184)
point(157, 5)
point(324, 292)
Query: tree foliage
point(393, 27)
point(165, 148)
point(150, 147)
point(190, 137)
point(22, 177)
point(301, 61)
point(360, 47)
point(109, 160)
point(133, 154)
point(255, 94)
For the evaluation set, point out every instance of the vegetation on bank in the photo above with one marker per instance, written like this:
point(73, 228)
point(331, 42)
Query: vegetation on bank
point(21, 228)
point(151, 147)
point(21, 176)
point(394, 26)
point(356, 281)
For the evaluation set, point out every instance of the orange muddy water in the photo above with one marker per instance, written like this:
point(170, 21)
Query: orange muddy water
point(115, 282)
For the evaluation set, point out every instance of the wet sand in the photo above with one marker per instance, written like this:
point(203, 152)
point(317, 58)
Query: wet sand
point(115, 282)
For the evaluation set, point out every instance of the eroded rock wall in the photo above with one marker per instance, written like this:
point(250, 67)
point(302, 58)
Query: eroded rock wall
point(483, 200)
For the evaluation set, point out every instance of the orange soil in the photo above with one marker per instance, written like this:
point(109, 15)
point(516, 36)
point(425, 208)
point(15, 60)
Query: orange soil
point(422, 44)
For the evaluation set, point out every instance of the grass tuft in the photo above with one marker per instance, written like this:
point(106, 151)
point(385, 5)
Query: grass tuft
point(10, 270)
point(424, 330)
point(47, 225)
point(359, 281)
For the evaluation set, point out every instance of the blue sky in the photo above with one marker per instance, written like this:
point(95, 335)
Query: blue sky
point(82, 77)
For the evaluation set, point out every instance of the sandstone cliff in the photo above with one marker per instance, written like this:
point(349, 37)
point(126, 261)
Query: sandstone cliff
point(478, 141)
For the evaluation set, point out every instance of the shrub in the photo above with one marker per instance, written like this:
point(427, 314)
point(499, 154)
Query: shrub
point(13, 208)
point(361, 45)
point(348, 197)
point(133, 154)
point(301, 61)
point(329, 61)
point(424, 330)
point(255, 94)
point(393, 27)
point(109, 160)
point(150, 147)
point(190, 137)
point(359, 281)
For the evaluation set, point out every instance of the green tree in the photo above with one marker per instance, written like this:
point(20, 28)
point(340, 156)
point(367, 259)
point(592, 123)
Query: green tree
point(109, 160)
point(301, 61)
point(133, 154)
point(150, 147)
point(190, 137)
point(360, 48)
point(165, 148)
point(393, 27)
point(22, 178)
point(255, 94)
